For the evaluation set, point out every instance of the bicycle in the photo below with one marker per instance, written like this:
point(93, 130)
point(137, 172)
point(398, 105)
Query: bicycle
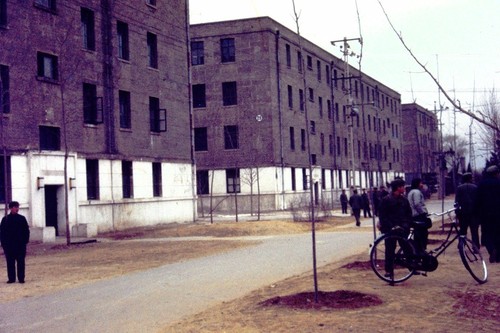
point(394, 258)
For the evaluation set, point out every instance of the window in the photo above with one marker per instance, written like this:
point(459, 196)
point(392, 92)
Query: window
point(4, 89)
point(335, 84)
point(197, 53)
point(318, 69)
point(299, 61)
point(127, 179)
point(227, 50)
point(50, 138)
point(92, 172)
point(292, 138)
point(290, 97)
point(88, 30)
point(304, 179)
point(231, 137)
point(125, 109)
point(92, 105)
point(157, 180)
point(202, 182)
point(338, 145)
point(320, 106)
point(233, 180)
point(152, 50)
point(301, 99)
point(345, 147)
point(303, 139)
point(200, 139)
point(3, 13)
point(327, 75)
point(331, 147)
point(294, 182)
point(311, 94)
point(229, 94)
point(313, 127)
point(46, 4)
point(157, 116)
point(123, 46)
point(329, 109)
point(313, 159)
point(47, 66)
point(309, 62)
point(322, 138)
point(288, 56)
point(199, 98)
point(5, 174)
point(151, 2)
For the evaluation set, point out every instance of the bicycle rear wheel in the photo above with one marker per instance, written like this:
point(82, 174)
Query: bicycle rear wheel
point(472, 259)
point(391, 258)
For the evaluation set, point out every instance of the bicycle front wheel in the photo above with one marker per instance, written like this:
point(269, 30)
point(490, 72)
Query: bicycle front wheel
point(473, 260)
point(391, 258)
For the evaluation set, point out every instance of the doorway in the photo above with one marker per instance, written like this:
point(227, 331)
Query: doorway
point(51, 207)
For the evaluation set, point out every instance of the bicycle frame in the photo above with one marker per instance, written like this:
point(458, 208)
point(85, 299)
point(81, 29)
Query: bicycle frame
point(447, 242)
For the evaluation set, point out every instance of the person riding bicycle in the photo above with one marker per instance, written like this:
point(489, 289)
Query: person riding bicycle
point(394, 216)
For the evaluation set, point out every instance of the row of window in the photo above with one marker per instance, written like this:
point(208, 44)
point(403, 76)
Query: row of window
point(231, 138)
point(227, 51)
point(229, 94)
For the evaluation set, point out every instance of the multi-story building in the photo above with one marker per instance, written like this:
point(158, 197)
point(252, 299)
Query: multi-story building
point(274, 113)
point(95, 122)
point(420, 142)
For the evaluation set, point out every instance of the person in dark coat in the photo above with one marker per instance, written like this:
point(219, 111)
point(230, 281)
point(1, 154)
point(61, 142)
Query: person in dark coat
point(487, 208)
point(343, 202)
point(375, 200)
point(465, 198)
point(356, 203)
point(14, 235)
point(367, 212)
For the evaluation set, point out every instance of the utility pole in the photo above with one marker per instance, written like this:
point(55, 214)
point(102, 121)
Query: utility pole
point(354, 112)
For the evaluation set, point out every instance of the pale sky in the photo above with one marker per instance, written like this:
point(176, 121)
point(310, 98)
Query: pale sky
point(458, 40)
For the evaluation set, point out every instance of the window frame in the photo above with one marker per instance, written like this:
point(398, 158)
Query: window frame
point(233, 180)
point(227, 50)
point(197, 53)
point(229, 93)
point(125, 108)
point(152, 43)
point(127, 180)
point(47, 5)
point(88, 28)
point(92, 105)
point(92, 175)
point(3, 13)
point(231, 137)
point(156, 170)
point(123, 40)
point(49, 138)
point(43, 60)
point(199, 95)
point(202, 182)
point(4, 89)
point(200, 139)
point(157, 116)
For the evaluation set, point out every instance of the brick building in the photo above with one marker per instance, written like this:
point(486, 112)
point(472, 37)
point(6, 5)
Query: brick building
point(95, 114)
point(421, 141)
point(273, 115)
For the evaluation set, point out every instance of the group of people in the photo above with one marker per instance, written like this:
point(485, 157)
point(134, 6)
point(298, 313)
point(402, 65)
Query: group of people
point(361, 202)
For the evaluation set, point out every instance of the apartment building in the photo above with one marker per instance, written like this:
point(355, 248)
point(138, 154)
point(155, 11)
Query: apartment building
point(421, 142)
point(95, 122)
point(275, 115)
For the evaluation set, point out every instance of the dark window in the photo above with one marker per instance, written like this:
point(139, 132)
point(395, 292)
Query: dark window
point(299, 61)
point(303, 139)
point(231, 137)
point(313, 127)
point(313, 159)
point(292, 138)
point(3, 12)
point(229, 93)
point(345, 147)
point(92, 105)
point(301, 99)
point(331, 144)
point(335, 84)
point(311, 94)
point(125, 109)
point(327, 75)
point(318, 67)
point(227, 50)
point(50, 138)
point(290, 97)
point(320, 106)
point(46, 4)
point(151, 2)
point(329, 109)
point(199, 97)
point(88, 30)
point(304, 178)
point(92, 171)
point(323, 179)
point(294, 182)
point(338, 145)
point(4, 89)
point(127, 179)
point(157, 116)
point(123, 45)
point(152, 50)
point(200, 139)
point(202, 186)
point(5, 182)
point(322, 138)
point(288, 56)
point(233, 180)
point(157, 179)
point(47, 66)
point(309, 62)
point(197, 53)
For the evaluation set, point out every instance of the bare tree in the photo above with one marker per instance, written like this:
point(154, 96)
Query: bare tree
point(490, 110)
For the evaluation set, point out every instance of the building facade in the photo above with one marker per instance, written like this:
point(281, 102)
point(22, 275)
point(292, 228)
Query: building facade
point(274, 114)
point(421, 142)
point(95, 114)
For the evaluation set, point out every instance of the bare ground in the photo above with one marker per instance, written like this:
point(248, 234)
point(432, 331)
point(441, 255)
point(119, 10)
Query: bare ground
point(350, 297)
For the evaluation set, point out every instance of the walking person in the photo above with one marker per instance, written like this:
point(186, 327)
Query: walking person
point(343, 202)
point(375, 200)
point(366, 204)
point(488, 210)
point(14, 235)
point(419, 214)
point(356, 203)
point(465, 198)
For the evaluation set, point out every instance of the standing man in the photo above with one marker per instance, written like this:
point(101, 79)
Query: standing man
point(465, 198)
point(14, 235)
point(375, 200)
point(343, 202)
point(356, 203)
point(419, 213)
point(366, 204)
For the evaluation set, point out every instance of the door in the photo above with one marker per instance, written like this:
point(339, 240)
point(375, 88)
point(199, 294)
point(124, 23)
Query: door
point(51, 207)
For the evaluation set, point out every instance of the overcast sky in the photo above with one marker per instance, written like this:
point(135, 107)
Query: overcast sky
point(458, 40)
